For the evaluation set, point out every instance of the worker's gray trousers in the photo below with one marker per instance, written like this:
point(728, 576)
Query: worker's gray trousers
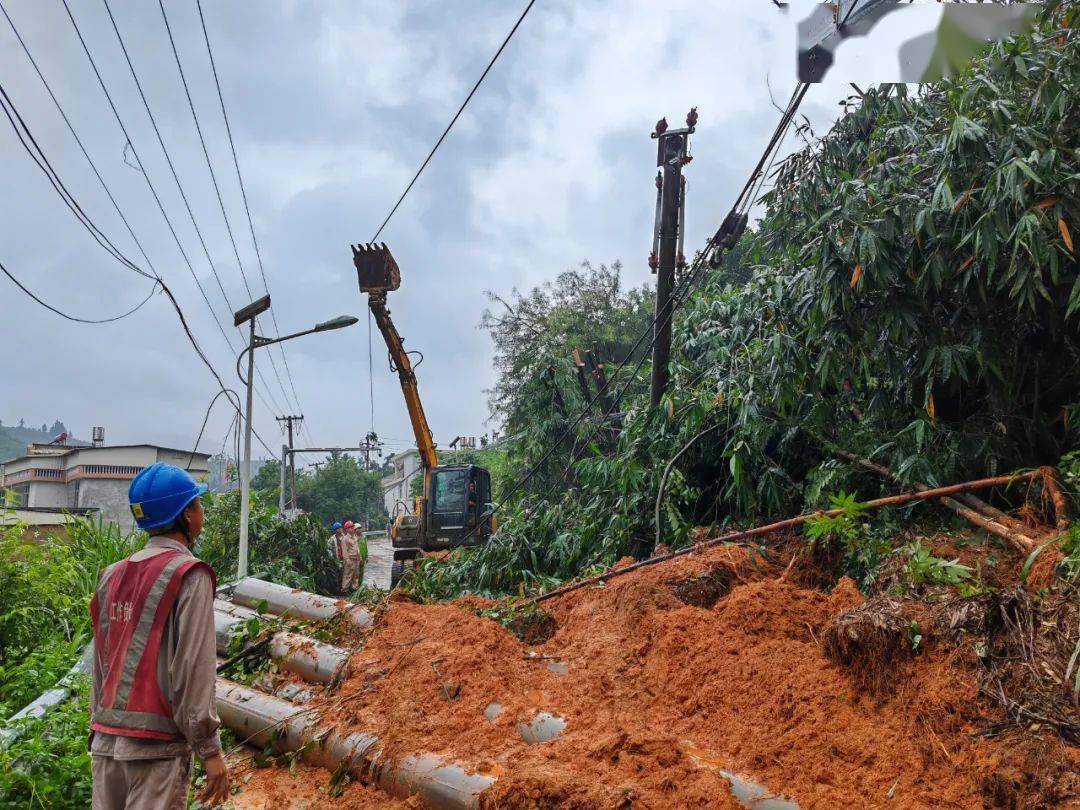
point(141, 784)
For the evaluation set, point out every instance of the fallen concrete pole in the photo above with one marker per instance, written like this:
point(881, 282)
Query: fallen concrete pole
point(314, 661)
point(263, 720)
point(287, 690)
point(282, 600)
point(13, 729)
point(798, 520)
point(232, 609)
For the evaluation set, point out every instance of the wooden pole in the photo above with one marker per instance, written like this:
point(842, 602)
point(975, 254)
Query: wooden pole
point(878, 503)
point(983, 515)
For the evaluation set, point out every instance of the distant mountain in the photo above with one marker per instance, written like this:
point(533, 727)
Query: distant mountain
point(14, 438)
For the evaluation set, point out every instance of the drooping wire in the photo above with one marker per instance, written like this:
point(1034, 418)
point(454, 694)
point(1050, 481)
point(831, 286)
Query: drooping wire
point(206, 418)
point(244, 198)
point(37, 154)
point(51, 308)
point(146, 177)
point(453, 120)
point(175, 176)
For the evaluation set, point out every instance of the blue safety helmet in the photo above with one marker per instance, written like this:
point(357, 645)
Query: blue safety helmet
point(160, 493)
point(336, 526)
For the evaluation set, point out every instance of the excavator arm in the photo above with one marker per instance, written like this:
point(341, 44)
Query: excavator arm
point(401, 362)
point(455, 506)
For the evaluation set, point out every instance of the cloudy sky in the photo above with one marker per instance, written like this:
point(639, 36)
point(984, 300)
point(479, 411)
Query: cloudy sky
point(333, 105)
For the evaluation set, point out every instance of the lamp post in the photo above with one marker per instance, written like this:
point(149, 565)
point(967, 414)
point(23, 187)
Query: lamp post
point(248, 314)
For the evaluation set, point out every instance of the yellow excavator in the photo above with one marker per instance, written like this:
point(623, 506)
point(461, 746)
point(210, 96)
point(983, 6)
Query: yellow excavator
point(454, 508)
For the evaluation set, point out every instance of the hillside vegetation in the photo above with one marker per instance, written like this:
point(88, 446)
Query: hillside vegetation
point(911, 294)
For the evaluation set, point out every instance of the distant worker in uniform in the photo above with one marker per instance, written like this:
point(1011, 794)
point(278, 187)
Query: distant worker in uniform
point(349, 555)
point(361, 547)
point(152, 694)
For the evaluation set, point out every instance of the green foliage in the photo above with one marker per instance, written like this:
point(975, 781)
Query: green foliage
point(297, 553)
point(845, 527)
point(913, 298)
point(923, 568)
point(864, 547)
point(49, 766)
point(268, 478)
point(537, 393)
point(915, 637)
point(342, 490)
point(45, 589)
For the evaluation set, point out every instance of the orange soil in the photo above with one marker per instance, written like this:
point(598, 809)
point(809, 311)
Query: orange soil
point(278, 789)
point(658, 690)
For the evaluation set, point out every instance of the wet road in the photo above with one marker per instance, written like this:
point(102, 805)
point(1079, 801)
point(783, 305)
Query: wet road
point(380, 557)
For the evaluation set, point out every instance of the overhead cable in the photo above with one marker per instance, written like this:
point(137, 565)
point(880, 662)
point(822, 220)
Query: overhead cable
point(244, 198)
point(176, 177)
point(34, 149)
point(149, 183)
point(453, 120)
point(51, 308)
point(213, 179)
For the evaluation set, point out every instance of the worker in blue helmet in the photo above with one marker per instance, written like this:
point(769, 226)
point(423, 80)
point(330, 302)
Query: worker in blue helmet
point(336, 527)
point(152, 696)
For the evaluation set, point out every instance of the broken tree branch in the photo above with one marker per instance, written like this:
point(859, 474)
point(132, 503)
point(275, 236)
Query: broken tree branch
point(1019, 539)
point(877, 503)
point(1057, 497)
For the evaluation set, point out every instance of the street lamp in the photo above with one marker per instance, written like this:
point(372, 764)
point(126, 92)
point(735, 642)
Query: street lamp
point(248, 314)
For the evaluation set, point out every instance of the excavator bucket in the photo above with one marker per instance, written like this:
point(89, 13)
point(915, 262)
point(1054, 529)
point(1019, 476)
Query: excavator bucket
point(375, 268)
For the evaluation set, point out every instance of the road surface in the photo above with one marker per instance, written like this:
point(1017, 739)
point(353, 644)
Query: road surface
point(380, 557)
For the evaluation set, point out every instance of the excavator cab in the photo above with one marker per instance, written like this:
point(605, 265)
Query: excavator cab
point(459, 508)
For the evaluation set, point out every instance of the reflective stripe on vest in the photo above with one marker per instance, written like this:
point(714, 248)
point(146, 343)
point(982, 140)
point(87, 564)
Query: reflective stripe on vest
point(129, 612)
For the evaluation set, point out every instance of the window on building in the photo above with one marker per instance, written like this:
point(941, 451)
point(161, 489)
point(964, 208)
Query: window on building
point(22, 494)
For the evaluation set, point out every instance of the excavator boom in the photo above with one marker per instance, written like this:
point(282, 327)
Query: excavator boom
point(455, 508)
point(401, 362)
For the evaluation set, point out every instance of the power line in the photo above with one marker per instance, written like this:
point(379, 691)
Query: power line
point(165, 152)
point(206, 419)
point(419, 171)
point(202, 143)
point(77, 210)
point(213, 178)
point(175, 176)
point(51, 308)
point(453, 120)
point(243, 196)
point(146, 177)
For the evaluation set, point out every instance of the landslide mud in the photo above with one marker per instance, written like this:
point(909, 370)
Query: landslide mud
point(660, 695)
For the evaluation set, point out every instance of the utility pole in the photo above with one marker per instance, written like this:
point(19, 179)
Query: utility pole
point(672, 147)
point(371, 444)
point(292, 458)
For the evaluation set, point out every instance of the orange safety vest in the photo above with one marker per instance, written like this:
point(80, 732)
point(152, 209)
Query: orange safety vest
point(129, 611)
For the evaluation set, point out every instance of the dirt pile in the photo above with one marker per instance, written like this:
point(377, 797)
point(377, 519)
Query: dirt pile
point(715, 661)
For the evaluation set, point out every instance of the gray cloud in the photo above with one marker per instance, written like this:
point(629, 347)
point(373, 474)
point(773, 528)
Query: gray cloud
point(333, 105)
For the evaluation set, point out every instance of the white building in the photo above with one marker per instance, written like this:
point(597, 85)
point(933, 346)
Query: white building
point(65, 477)
point(396, 485)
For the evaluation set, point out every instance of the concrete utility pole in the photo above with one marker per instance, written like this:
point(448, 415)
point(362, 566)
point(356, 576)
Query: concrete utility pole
point(371, 444)
point(292, 458)
point(672, 148)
